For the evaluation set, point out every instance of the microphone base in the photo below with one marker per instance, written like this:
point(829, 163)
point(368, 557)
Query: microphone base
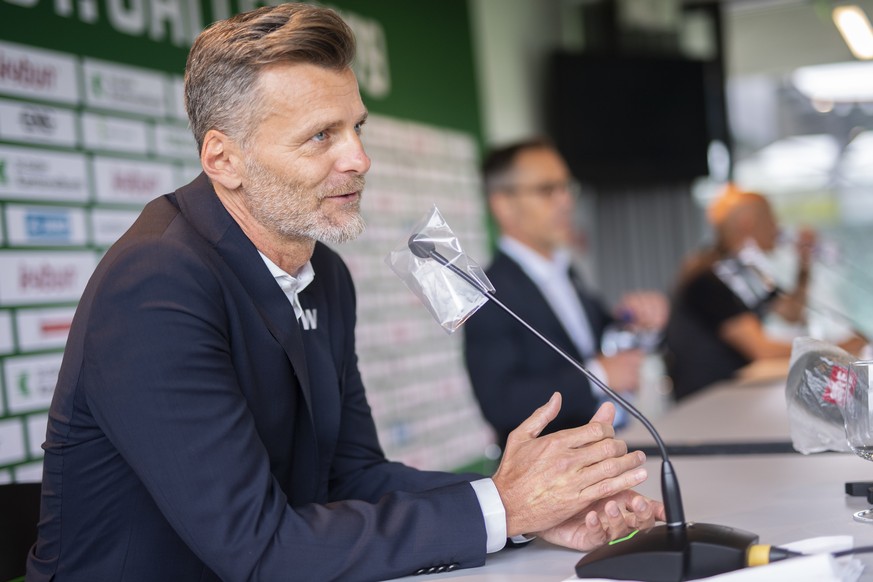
point(664, 554)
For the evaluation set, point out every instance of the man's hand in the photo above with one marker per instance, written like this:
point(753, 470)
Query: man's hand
point(805, 246)
point(607, 520)
point(644, 310)
point(622, 369)
point(545, 481)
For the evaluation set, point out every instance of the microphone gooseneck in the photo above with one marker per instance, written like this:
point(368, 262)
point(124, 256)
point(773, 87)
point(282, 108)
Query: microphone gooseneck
point(672, 552)
point(424, 248)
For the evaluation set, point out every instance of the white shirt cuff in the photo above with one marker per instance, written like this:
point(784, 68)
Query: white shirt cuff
point(621, 415)
point(493, 513)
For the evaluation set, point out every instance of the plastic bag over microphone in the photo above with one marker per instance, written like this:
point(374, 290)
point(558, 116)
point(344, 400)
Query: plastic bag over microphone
point(819, 382)
point(447, 296)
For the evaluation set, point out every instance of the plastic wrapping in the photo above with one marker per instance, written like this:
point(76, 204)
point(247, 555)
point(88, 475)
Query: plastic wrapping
point(816, 390)
point(446, 295)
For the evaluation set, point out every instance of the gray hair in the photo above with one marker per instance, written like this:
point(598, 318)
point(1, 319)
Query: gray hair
point(226, 59)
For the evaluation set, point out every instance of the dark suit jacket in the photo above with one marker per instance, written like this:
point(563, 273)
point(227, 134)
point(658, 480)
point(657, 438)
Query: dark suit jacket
point(512, 371)
point(197, 433)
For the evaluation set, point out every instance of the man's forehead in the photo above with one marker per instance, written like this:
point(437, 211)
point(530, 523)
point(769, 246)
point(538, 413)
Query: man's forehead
point(301, 78)
point(315, 91)
point(539, 161)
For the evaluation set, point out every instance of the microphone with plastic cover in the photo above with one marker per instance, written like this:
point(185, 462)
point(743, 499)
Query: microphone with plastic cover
point(671, 552)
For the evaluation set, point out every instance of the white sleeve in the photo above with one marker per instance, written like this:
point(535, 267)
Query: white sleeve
point(493, 512)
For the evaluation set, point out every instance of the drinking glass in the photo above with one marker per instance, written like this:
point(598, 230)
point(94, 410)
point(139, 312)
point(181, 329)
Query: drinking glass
point(858, 417)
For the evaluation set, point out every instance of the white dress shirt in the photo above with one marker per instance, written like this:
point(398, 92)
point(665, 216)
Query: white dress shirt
point(552, 278)
point(486, 492)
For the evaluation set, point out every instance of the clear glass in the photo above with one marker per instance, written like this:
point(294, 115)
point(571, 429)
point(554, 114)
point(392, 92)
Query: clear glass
point(858, 417)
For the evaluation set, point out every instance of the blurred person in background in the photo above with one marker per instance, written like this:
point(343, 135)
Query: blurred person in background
point(531, 196)
point(724, 293)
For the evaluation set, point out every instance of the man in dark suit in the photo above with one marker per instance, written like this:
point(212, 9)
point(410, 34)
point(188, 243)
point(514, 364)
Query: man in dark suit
point(530, 195)
point(209, 421)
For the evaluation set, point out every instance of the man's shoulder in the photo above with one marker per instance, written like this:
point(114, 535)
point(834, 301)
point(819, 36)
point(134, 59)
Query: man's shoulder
point(502, 265)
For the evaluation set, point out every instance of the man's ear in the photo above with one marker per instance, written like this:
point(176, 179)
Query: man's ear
point(221, 160)
point(502, 209)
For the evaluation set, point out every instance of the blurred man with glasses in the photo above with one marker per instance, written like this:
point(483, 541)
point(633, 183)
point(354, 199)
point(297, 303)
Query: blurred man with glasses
point(531, 196)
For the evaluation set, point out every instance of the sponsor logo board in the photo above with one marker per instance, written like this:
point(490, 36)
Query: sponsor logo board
point(108, 225)
point(28, 174)
point(175, 141)
point(32, 278)
point(46, 225)
point(189, 172)
point(30, 72)
point(7, 341)
point(128, 181)
point(11, 441)
point(177, 97)
point(102, 132)
point(30, 381)
point(43, 329)
point(37, 124)
point(36, 425)
point(29, 473)
point(124, 88)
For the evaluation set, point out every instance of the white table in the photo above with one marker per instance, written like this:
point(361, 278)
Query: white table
point(728, 412)
point(780, 497)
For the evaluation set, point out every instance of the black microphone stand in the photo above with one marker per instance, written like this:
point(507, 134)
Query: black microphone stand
point(671, 552)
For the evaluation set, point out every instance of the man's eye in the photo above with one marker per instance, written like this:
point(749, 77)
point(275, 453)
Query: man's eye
point(359, 128)
point(320, 136)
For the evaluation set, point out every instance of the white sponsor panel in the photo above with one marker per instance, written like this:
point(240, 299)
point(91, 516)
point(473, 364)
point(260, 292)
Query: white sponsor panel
point(30, 381)
point(32, 278)
point(29, 174)
point(43, 329)
point(28, 473)
point(107, 225)
point(11, 441)
point(46, 225)
point(30, 72)
point(175, 141)
point(129, 181)
point(40, 124)
point(7, 340)
point(103, 132)
point(177, 97)
point(36, 424)
point(189, 172)
point(124, 88)
point(5, 477)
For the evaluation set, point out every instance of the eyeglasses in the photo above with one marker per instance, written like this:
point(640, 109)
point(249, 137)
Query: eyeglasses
point(546, 190)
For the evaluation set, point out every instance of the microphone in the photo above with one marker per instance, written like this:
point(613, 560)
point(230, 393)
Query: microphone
point(671, 552)
point(756, 265)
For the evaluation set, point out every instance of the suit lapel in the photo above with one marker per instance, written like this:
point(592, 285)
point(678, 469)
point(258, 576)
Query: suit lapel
point(529, 294)
point(202, 208)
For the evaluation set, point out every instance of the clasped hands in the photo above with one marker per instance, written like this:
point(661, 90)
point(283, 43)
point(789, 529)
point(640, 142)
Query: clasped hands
point(574, 487)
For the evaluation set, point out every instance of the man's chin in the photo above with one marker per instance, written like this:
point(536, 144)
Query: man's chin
point(347, 232)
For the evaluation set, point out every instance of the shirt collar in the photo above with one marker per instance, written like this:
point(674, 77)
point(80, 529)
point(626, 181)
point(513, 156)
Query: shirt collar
point(537, 267)
point(290, 283)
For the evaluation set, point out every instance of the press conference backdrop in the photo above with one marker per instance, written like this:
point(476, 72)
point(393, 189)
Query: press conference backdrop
point(92, 126)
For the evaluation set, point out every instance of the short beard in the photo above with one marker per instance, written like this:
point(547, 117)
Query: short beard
point(282, 207)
